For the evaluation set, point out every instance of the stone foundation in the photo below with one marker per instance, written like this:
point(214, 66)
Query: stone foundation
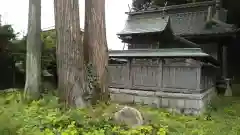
point(182, 103)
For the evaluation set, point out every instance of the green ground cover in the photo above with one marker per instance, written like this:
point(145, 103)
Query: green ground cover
point(44, 117)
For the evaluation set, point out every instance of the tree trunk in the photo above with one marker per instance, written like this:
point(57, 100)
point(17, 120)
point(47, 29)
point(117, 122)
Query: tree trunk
point(95, 45)
point(72, 80)
point(33, 59)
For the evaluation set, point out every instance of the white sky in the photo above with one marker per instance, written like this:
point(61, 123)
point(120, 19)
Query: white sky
point(15, 12)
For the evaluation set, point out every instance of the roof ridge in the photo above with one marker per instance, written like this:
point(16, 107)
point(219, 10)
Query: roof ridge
point(174, 7)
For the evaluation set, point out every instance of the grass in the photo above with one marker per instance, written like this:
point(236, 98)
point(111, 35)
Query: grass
point(222, 118)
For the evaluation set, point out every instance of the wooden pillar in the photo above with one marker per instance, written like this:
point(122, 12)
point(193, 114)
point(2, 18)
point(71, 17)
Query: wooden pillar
point(218, 7)
point(199, 77)
point(219, 58)
point(0, 20)
point(228, 91)
point(224, 62)
point(130, 77)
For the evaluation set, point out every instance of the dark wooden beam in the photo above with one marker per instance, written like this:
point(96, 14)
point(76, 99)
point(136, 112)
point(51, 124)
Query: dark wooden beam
point(201, 39)
point(183, 40)
point(224, 62)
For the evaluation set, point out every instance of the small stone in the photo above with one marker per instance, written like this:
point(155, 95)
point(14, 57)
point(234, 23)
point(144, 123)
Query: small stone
point(129, 116)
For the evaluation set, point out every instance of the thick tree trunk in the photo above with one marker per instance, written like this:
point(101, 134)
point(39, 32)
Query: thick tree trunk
point(33, 60)
point(95, 45)
point(72, 80)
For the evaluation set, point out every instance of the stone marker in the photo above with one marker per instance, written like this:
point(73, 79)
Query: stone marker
point(128, 116)
point(228, 92)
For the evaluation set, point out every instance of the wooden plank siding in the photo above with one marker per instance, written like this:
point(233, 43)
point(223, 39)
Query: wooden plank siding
point(146, 74)
point(168, 75)
point(119, 75)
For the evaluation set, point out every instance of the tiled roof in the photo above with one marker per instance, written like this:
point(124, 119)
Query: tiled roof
point(185, 23)
point(194, 23)
point(163, 53)
point(186, 19)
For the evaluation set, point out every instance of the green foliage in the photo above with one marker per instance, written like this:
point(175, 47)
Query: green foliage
point(45, 117)
point(49, 51)
point(9, 75)
point(92, 77)
point(92, 83)
point(6, 33)
point(18, 51)
point(14, 53)
point(140, 4)
point(49, 39)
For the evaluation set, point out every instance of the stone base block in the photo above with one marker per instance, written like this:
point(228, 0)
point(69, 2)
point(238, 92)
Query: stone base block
point(228, 92)
point(191, 104)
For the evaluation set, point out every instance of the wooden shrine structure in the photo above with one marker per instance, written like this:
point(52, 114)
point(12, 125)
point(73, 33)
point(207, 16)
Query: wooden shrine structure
point(174, 56)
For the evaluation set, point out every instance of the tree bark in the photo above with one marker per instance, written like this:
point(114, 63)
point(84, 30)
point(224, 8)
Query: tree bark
point(95, 45)
point(33, 59)
point(72, 80)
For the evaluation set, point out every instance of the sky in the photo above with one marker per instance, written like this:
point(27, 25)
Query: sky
point(15, 12)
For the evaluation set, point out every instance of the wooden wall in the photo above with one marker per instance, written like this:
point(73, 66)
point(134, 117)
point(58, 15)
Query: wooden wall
point(170, 75)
